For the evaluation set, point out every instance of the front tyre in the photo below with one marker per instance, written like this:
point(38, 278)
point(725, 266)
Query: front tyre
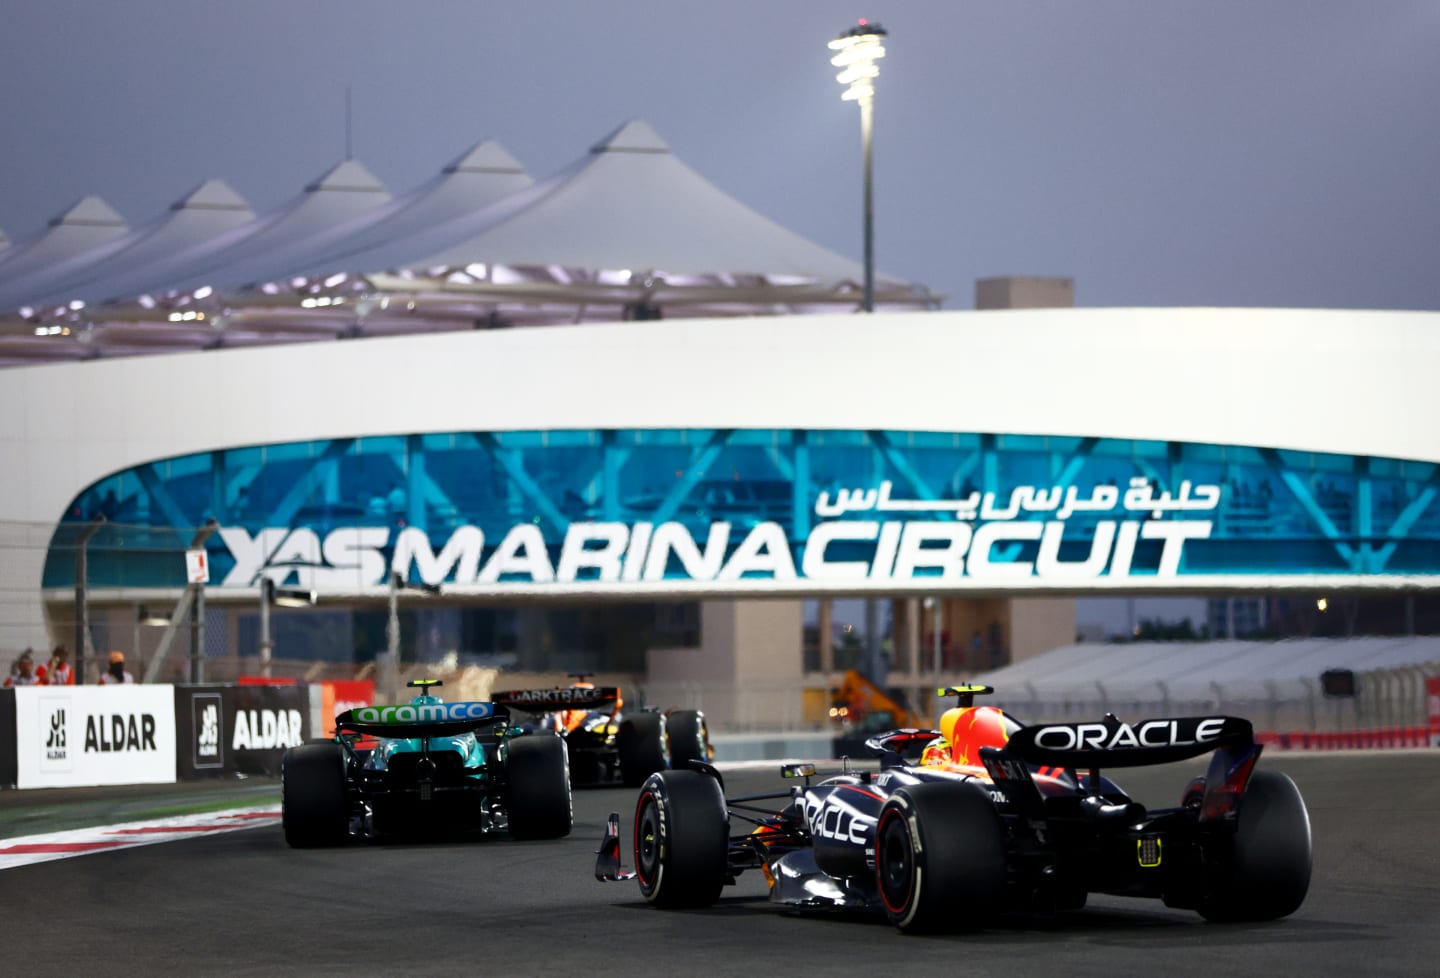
point(314, 809)
point(689, 738)
point(1268, 872)
point(537, 772)
point(939, 858)
point(682, 839)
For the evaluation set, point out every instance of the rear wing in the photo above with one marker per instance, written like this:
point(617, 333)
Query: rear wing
point(548, 700)
point(1111, 743)
point(421, 719)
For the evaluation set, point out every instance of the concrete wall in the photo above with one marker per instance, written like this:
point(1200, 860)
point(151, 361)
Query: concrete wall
point(750, 640)
point(1040, 624)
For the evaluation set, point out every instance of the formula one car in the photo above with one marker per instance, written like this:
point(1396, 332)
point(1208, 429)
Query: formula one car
point(605, 745)
point(996, 816)
point(435, 766)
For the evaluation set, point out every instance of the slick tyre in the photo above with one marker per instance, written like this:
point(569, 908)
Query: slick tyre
point(537, 772)
point(1268, 871)
point(313, 804)
point(939, 858)
point(689, 738)
point(642, 748)
point(682, 839)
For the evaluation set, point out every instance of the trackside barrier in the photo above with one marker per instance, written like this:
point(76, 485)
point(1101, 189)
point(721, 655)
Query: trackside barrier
point(78, 736)
point(75, 736)
point(772, 746)
point(7, 737)
point(1432, 696)
point(238, 730)
point(330, 699)
point(67, 736)
point(1380, 738)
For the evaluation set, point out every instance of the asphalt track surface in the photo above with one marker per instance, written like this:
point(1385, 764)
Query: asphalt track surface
point(244, 904)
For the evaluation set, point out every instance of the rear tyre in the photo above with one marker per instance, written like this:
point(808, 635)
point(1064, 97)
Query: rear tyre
point(689, 738)
point(939, 858)
point(641, 747)
point(682, 839)
point(1268, 872)
point(313, 804)
point(537, 771)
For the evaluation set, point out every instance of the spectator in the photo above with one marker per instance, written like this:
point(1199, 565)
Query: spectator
point(117, 672)
point(57, 672)
point(23, 672)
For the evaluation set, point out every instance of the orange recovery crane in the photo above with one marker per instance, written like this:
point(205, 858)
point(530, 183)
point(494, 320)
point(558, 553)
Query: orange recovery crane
point(859, 704)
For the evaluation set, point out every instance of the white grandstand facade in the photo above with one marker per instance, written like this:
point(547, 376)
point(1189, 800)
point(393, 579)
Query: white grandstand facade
point(703, 436)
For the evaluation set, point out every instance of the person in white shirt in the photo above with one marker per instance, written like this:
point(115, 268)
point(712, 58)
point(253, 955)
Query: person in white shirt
point(116, 673)
point(22, 673)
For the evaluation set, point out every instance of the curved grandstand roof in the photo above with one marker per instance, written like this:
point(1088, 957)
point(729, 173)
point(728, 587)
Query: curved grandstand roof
point(84, 226)
point(630, 203)
point(483, 175)
point(341, 194)
point(206, 212)
point(627, 231)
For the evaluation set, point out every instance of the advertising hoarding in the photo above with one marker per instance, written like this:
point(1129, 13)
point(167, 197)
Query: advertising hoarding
point(94, 735)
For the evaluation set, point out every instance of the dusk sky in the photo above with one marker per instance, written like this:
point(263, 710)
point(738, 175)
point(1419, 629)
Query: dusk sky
point(1226, 152)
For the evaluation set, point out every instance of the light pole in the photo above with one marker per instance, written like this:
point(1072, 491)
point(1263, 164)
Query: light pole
point(285, 597)
point(196, 586)
point(389, 671)
point(82, 602)
point(856, 54)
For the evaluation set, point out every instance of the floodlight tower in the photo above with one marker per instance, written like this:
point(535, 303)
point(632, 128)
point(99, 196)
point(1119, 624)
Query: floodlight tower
point(856, 54)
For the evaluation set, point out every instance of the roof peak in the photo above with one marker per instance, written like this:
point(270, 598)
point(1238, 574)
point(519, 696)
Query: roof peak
point(348, 176)
point(486, 156)
point(635, 136)
point(212, 195)
point(89, 210)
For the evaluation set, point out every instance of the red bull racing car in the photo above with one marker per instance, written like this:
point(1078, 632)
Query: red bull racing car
point(992, 816)
point(605, 745)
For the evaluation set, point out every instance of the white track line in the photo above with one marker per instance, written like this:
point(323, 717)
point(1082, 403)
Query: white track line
point(26, 849)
